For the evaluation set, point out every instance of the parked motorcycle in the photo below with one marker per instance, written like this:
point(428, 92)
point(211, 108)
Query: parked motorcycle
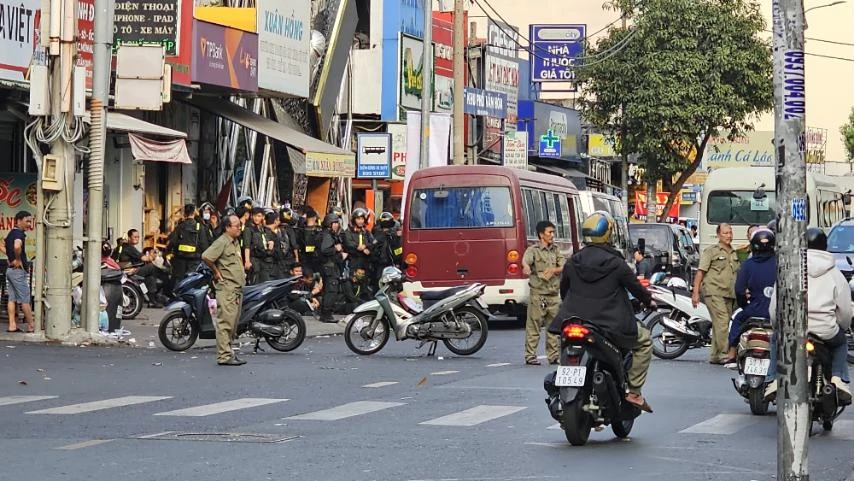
point(588, 388)
point(754, 360)
point(677, 325)
point(189, 317)
point(136, 296)
point(455, 316)
point(849, 336)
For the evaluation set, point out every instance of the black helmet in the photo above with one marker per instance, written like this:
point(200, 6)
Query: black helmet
point(360, 212)
point(330, 219)
point(386, 220)
point(337, 210)
point(816, 239)
point(763, 241)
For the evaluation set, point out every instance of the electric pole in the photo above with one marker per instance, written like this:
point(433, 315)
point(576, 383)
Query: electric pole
point(58, 242)
point(102, 54)
point(623, 153)
point(459, 83)
point(427, 85)
point(793, 416)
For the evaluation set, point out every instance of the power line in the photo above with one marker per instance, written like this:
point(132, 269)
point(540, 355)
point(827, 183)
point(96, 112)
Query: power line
point(829, 56)
point(834, 42)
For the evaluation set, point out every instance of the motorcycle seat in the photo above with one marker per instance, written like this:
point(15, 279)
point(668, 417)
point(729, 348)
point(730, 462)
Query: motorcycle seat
point(756, 322)
point(441, 294)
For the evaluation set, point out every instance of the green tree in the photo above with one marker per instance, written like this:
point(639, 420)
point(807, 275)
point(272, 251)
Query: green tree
point(681, 72)
point(847, 131)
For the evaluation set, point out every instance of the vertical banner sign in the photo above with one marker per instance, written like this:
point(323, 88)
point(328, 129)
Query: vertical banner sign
point(85, 37)
point(555, 49)
point(794, 94)
point(411, 72)
point(283, 46)
point(373, 155)
point(18, 25)
point(398, 150)
point(516, 150)
point(502, 75)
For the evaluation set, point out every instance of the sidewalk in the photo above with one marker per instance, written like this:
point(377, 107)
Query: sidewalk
point(143, 331)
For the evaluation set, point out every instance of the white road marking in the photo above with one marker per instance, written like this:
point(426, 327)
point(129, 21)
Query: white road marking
point(474, 416)
point(84, 444)
point(723, 424)
point(346, 410)
point(555, 426)
point(381, 384)
point(498, 364)
point(443, 373)
point(99, 405)
point(222, 407)
point(9, 400)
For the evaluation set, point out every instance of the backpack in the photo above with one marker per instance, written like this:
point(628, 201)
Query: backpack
point(188, 237)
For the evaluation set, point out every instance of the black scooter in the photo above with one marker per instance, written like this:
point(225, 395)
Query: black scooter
point(188, 316)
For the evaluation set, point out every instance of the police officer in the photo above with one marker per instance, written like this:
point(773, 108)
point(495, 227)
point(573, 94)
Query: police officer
point(332, 258)
point(288, 223)
point(309, 242)
point(543, 264)
point(210, 222)
point(186, 244)
point(358, 242)
point(257, 249)
point(388, 248)
point(716, 275)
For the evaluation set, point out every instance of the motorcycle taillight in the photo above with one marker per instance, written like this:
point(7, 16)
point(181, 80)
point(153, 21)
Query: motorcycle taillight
point(571, 360)
point(758, 336)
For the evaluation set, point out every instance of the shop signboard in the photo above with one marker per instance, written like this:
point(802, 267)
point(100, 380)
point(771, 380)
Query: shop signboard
point(19, 22)
point(17, 193)
point(225, 56)
point(555, 50)
point(398, 150)
point(373, 155)
point(283, 46)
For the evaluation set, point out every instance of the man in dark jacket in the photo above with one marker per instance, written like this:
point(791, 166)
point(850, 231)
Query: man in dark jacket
point(593, 287)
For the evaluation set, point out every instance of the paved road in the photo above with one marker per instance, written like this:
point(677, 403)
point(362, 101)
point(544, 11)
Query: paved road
point(95, 413)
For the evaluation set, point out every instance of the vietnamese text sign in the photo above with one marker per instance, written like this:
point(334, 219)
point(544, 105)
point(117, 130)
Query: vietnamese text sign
point(17, 193)
point(549, 145)
point(373, 155)
point(398, 150)
point(516, 150)
point(283, 46)
point(225, 56)
point(485, 103)
point(752, 149)
point(411, 72)
point(502, 75)
point(85, 37)
point(18, 25)
point(148, 22)
point(555, 50)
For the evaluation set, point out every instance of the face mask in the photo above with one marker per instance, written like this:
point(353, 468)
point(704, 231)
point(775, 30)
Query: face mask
point(206, 216)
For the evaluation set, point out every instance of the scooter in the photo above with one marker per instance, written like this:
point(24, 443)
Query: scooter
point(190, 315)
point(754, 360)
point(454, 316)
point(676, 325)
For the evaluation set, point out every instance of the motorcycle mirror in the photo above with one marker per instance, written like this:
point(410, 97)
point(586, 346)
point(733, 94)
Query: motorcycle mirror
point(847, 258)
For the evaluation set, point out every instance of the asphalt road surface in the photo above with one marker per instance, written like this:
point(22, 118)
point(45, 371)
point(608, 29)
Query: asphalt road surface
point(323, 413)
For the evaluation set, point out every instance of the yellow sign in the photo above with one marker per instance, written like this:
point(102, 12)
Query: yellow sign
point(329, 165)
point(241, 18)
point(753, 149)
point(598, 145)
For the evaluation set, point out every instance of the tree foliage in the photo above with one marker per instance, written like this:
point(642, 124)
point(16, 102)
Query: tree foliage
point(682, 71)
point(847, 131)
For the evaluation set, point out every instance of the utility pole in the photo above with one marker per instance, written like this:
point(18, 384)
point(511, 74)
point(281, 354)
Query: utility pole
point(471, 156)
point(58, 242)
point(427, 85)
point(102, 54)
point(459, 83)
point(623, 153)
point(793, 417)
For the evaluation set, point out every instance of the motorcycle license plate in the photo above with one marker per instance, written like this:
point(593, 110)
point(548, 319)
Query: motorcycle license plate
point(570, 376)
point(756, 367)
point(143, 288)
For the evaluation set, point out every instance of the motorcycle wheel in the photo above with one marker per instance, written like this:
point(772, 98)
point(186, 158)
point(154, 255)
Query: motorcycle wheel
point(827, 424)
point(353, 334)
point(294, 334)
point(576, 424)
point(623, 428)
point(756, 398)
point(176, 332)
point(662, 352)
point(131, 301)
point(477, 322)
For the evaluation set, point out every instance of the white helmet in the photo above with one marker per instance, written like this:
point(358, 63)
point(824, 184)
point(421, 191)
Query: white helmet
point(678, 283)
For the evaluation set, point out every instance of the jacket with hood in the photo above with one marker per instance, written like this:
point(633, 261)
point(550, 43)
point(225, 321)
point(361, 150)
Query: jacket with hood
point(828, 296)
point(593, 287)
point(757, 275)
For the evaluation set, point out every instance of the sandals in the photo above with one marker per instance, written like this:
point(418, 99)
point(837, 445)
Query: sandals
point(533, 362)
point(639, 402)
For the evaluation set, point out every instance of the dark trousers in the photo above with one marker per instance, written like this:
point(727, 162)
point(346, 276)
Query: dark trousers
point(331, 291)
point(149, 272)
point(181, 266)
point(262, 270)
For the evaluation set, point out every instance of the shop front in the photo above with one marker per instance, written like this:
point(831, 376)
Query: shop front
point(553, 135)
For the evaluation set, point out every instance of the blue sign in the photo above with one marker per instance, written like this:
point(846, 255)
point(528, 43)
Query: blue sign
point(555, 49)
point(485, 103)
point(549, 145)
point(799, 209)
point(373, 155)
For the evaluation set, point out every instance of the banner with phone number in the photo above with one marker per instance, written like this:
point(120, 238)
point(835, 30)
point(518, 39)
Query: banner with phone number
point(17, 193)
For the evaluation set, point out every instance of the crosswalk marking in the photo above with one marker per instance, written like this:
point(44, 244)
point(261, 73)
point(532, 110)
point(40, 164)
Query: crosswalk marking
point(222, 407)
point(84, 444)
point(443, 373)
point(9, 400)
point(723, 424)
point(498, 364)
point(346, 410)
point(381, 384)
point(474, 416)
point(99, 405)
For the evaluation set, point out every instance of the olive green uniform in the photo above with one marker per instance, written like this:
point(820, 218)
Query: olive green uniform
point(544, 299)
point(225, 253)
point(720, 265)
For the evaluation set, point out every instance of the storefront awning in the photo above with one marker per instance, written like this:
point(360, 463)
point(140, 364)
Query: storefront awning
point(118, 122)
point(562, 171)
point(309, 156)
point(150, 150)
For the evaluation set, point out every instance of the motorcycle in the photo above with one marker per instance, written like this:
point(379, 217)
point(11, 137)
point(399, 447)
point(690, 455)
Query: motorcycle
point(450, 315)
point(849, 336)
point(189, 316)
point(135, 294)
point(588, 388)
point(677, 325)
point(753, 360)
point(824, 402)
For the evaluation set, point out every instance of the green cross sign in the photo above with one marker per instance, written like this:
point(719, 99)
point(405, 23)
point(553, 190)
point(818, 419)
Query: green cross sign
point(550, 138)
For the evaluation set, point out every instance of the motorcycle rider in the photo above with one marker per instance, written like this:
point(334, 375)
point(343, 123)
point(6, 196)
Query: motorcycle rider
point(593, 286)
point(757, 276)
point(829, 316)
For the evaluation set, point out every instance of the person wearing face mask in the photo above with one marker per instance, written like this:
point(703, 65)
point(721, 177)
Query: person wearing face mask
point(210, 222)
point(355, 291)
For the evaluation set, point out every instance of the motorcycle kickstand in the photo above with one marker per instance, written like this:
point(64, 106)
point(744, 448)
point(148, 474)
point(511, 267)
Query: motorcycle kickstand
point(431, 351)
point(258, 346)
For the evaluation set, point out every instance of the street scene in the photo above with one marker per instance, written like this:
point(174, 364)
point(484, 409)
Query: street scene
point(427, 240)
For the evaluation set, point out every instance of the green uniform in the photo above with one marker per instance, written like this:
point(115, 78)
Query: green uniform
point(720, 265)
point(225, 254)
point(544, 299)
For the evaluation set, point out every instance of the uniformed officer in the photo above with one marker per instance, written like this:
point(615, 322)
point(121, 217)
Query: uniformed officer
point(257, 249)
point(332, 256)
point(716, 276)
point(358, 242)
point(186, 243)
point(388, 247)
point(290, 248)
point(543, 264)
point(224, 259)
point(309, 241)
